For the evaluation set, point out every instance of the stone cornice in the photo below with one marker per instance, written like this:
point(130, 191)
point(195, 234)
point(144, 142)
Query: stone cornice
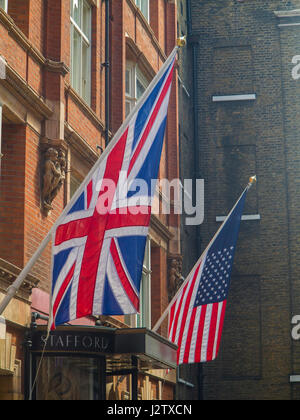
point(20, 88)
point(56, 67)
point(23, 41)
point(160, 228)
point(79, 144)
point(8, 274)
point(85, 108)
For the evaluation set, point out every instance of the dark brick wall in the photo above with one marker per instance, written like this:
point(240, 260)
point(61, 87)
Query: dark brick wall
point(189, 242)
point(242, 50)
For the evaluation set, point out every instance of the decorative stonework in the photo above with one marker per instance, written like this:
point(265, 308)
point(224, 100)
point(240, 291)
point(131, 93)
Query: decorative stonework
point(175, 274)
point(54, 165)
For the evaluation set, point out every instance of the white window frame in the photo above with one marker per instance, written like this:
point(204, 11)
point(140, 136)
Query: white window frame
point(85, 39)
point(143, 319)
point(144, 6)
point(135, 75)
point(4, 5)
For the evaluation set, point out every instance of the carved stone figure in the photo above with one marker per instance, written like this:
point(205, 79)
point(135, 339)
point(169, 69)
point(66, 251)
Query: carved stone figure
point(53, 176)
point(175, 276)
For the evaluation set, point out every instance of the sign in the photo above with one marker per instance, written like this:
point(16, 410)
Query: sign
point(296, 68)
point(74, 341)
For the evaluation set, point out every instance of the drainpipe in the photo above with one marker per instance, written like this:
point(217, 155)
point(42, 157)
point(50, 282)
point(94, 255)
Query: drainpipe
point(107, 72)
point(194, 45)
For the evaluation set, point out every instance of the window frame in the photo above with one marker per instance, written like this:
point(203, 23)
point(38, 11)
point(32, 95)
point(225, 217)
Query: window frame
point(85, 41)
point(5, 5)
point(141, 5)
point(143, 319)
point(135, 75)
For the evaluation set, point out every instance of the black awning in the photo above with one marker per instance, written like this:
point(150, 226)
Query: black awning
point(117, 345)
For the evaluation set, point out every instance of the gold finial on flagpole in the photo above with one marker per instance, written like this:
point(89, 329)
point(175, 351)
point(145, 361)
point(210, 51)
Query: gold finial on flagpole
point(181, 42)
point(252, 180)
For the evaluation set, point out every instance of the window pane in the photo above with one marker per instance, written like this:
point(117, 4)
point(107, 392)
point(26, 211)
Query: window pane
point(76, 7)
point(127, 82)
point(86, 20)
point(140, 89)
point(86, 78)
point(145, 8)
point(68, 379)
point(143, 5)
point(76, 61)
point(3, 4)
point(75, 183)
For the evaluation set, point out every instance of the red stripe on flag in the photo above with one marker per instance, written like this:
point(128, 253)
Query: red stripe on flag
point(134, 299)
point(151, 120)
point(186, 309)
point(171, 318)
point(95, 235)
point(199, 342)
point(177, 314)
point(140, 216)
point(61, 293)
point(89, 193)
point(212, 331)
point(190, 335)
point(72, 230)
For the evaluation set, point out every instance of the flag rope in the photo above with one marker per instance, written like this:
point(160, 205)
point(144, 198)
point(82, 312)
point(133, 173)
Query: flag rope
point(39, 366)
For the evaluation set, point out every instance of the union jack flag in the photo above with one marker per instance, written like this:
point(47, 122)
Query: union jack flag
point(99, 244)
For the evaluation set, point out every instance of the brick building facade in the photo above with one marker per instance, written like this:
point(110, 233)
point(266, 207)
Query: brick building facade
point(53, 95)
point(248, 118)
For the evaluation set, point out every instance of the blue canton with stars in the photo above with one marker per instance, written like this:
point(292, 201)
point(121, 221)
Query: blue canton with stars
point(215, 279)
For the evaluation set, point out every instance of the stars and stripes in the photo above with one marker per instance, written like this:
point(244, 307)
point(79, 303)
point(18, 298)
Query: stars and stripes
point(197, 314)
point(99, 245)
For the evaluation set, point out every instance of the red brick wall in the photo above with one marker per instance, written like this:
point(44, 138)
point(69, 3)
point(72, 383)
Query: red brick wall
point(48, 29)
point(12, 194)
point(19, 12)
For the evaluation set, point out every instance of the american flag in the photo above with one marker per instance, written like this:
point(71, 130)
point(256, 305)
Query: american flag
point(99, 244)
point(197, 313)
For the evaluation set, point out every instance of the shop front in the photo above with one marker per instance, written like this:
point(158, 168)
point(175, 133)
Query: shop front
point(94, 363)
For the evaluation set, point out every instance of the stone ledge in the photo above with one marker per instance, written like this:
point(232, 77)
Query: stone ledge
point(8, 274)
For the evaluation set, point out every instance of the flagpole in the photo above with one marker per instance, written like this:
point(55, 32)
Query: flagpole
point(165, 313)
point(12, 289)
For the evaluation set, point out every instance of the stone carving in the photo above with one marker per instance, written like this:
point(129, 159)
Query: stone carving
point(53, 176)
point(175, 275)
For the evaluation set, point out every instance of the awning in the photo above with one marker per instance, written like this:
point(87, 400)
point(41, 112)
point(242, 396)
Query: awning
point(119, 346)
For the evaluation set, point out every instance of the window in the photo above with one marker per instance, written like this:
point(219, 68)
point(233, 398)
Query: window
point(135, 85)
point(3, 4)
point(69, 378)
point(143, 5)
point(143, 319)
point(75, 182)
point(81, 22)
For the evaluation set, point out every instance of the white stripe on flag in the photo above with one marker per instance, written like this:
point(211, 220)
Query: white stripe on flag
point(195, 335)
point(206, 331)
point(220, 307)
